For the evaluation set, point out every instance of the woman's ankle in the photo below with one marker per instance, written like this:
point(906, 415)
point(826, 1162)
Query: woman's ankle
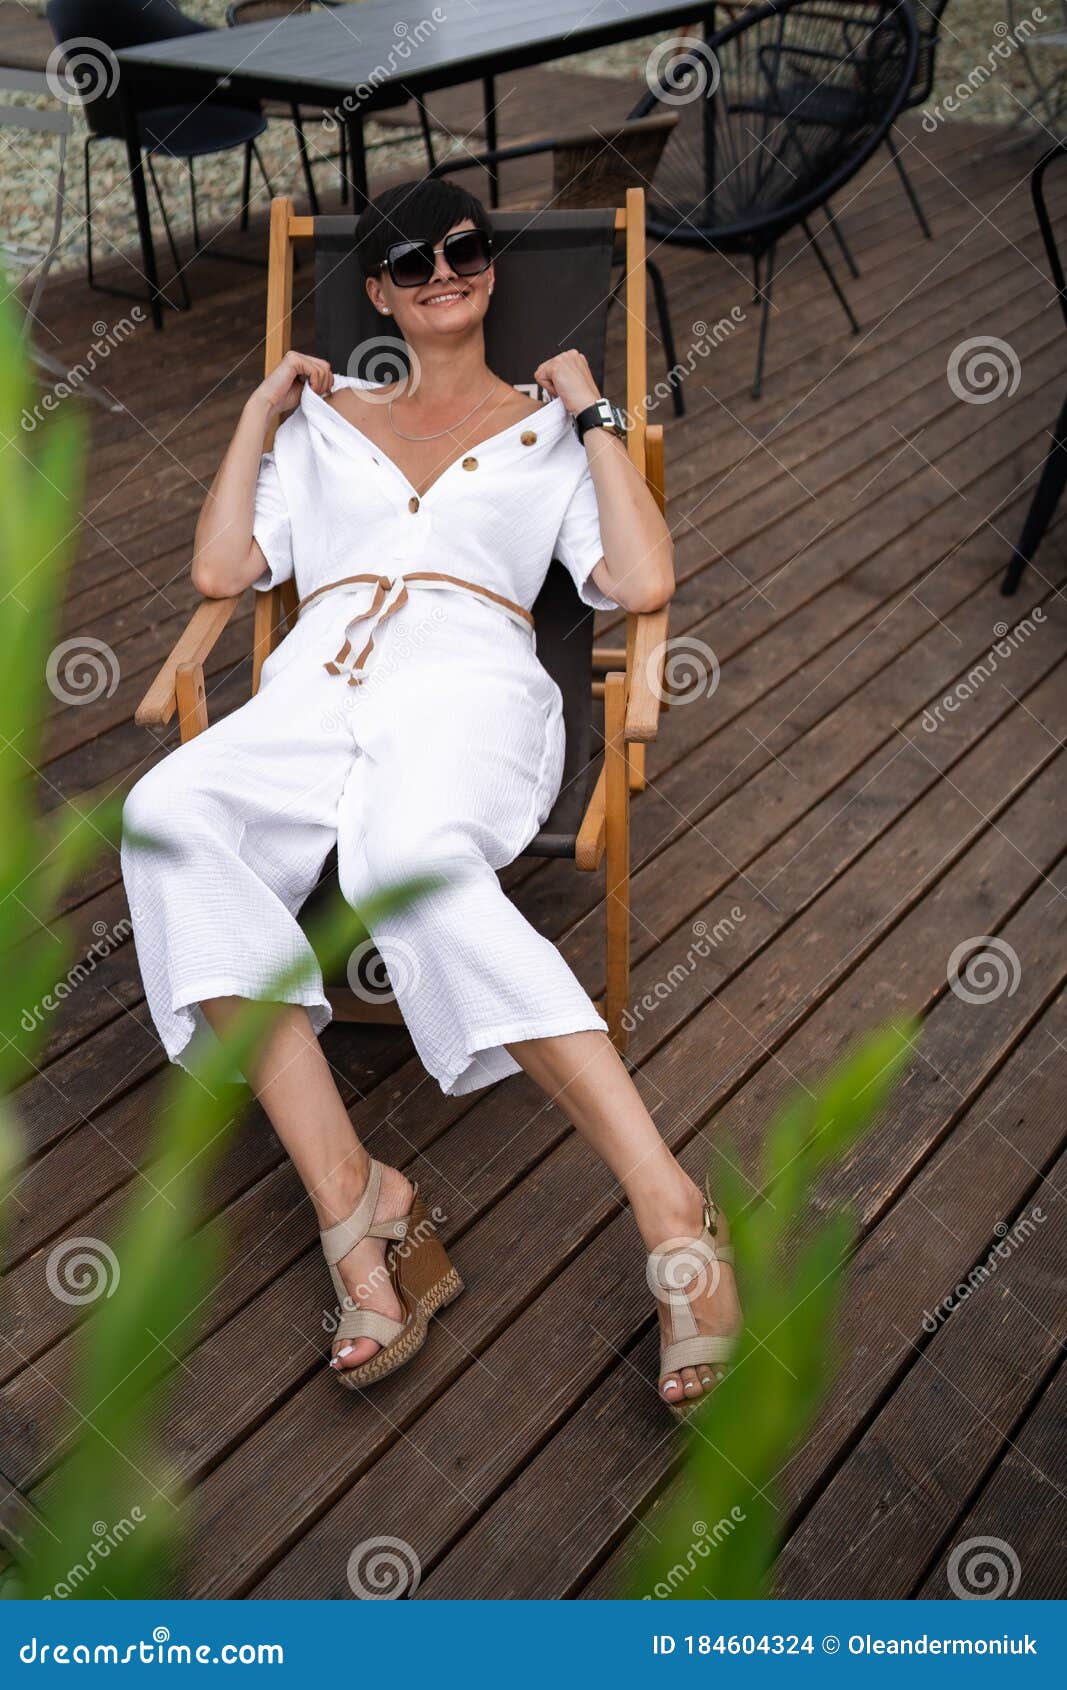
point(671, 1205)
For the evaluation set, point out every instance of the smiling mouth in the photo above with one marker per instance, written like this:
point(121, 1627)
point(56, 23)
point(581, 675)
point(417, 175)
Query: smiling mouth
point(449, 298)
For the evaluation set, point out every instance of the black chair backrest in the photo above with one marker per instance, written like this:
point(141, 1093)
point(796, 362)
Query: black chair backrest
point(1048, 233)
point(780, 109)
point(928, 16)
point(115, 24)
point(553, 288)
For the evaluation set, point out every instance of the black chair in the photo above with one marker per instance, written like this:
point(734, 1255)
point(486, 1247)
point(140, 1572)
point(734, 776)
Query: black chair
point(786, 104)
point(928, 16)
point(188, 132)
point(1054, 474)
point(534, 314)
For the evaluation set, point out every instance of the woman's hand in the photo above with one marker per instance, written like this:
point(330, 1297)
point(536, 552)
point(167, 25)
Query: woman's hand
point(567, 376)
point(281, 389)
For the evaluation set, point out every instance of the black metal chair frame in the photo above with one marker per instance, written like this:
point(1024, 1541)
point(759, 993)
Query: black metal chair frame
point(759, 238)
point(1053, 477)
point(95, 136)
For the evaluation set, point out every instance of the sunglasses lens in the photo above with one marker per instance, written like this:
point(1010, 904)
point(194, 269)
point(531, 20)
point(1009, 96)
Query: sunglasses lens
point(467, 252)
point(410, 264)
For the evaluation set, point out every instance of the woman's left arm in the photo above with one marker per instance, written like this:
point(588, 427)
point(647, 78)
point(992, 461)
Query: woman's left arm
point(637, 569)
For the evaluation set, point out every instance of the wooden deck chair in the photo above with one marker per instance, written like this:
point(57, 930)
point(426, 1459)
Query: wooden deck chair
point(554, 283)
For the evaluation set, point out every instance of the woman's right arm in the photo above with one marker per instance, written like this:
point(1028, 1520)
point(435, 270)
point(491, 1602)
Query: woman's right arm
point(226, 558)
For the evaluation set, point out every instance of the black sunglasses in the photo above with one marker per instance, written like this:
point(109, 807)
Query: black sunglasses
point(411, 264)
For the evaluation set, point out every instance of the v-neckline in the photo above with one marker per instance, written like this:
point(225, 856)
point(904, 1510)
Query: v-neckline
point(380, 452)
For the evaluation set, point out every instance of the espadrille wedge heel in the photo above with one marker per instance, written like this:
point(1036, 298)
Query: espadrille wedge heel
point(677, 1270)
point(421, 1274)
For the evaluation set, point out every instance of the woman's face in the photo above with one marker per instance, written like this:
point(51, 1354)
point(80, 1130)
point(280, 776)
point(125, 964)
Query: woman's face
point(446, 305)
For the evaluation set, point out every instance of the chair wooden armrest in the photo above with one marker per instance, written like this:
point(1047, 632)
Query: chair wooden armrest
point(649, 651)
point(202, 632)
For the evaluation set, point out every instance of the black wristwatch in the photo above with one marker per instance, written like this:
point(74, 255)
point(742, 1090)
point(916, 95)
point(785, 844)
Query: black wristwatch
point(601, 415)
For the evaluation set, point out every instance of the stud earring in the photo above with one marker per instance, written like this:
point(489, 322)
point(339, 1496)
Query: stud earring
point(385, 311)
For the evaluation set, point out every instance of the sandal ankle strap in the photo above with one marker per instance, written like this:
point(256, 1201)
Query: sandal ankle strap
point(338, 1240)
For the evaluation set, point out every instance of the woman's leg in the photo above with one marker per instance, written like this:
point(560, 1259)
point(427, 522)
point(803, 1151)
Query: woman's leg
point(585, 1075)
point(294, 1086)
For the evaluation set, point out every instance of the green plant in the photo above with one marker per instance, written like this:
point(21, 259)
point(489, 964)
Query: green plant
point(791, 1272)
point(121, 1386)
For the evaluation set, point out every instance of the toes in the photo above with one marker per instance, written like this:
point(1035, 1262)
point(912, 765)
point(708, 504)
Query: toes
point(690, 1382)
point(353, 1353)
point(707, 1379)
point(671, 1388)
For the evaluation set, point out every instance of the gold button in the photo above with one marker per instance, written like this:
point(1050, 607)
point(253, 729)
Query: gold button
point(529, 438)
point(470, 463)
point(413, 504)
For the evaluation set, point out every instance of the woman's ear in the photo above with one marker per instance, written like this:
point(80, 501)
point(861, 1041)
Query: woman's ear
point(376, 296)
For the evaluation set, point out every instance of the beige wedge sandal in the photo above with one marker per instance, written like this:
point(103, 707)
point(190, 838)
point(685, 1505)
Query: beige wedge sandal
point(421, 1274)
point(673, 1269)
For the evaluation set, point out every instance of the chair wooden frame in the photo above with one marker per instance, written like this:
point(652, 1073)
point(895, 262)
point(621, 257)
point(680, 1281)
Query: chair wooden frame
point(631, 676)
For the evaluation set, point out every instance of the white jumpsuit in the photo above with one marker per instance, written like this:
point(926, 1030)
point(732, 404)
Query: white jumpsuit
point(445, 759)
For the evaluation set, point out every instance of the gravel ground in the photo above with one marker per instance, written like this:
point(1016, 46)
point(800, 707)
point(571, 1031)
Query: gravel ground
point(971, 30)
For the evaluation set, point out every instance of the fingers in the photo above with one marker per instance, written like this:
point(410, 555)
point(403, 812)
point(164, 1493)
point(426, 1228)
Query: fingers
point(315, 371)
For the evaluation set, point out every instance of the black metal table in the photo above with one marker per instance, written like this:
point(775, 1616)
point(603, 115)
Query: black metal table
point(355, 59)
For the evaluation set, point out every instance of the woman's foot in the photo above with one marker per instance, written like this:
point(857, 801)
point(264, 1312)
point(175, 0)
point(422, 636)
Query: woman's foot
point(363, 1270)
point(684, 1269)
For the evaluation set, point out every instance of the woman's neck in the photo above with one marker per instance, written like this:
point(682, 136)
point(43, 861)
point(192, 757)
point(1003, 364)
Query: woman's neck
point(448, 376)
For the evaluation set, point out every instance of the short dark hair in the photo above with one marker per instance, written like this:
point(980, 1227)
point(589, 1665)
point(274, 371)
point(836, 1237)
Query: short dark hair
point(414, 211)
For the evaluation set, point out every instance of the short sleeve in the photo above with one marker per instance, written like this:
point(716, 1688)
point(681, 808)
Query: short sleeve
point(579, 546)
point(270, 526)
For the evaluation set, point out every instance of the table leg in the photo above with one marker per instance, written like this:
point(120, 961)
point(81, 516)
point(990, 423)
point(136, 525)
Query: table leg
point(709, 122)
point(357, 160)
point(489, 93)
point(135, 160)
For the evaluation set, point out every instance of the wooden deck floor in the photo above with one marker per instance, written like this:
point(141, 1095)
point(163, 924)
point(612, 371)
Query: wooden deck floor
point(839, 545)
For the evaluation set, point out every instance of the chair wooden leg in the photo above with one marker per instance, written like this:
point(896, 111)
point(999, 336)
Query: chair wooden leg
point(617, 857)
point(191, 693)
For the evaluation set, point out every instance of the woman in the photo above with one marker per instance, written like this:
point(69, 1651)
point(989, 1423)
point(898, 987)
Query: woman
point(406, 720)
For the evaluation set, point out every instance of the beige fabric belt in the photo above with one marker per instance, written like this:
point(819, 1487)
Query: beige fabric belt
point(386, 600)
